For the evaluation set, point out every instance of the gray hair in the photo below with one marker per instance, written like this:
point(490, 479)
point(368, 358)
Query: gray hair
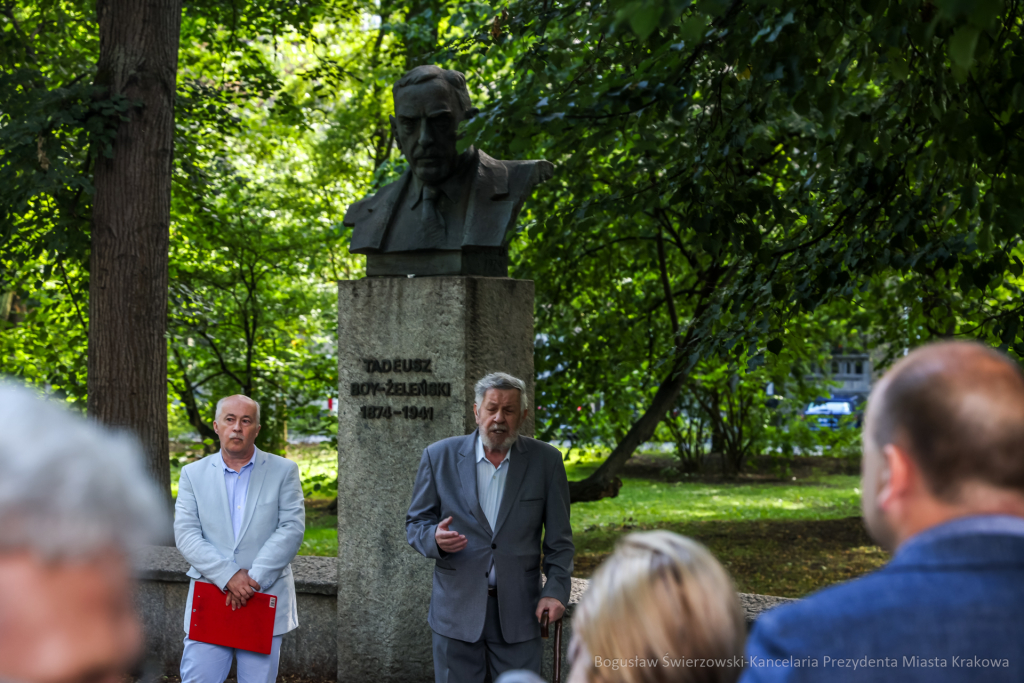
point(220, 404)
point(71, 489)
point(455, 81)
point(502, 380)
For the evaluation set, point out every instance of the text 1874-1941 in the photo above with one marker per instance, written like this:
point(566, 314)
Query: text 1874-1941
point(387, 412)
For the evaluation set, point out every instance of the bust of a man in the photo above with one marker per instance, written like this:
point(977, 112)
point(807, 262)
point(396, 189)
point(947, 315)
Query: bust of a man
point(450, 213)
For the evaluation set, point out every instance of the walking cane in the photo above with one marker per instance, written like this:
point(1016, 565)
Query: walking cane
point(557, 668)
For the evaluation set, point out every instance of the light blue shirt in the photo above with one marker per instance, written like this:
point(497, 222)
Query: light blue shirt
point(490, 486)
point(237, 485)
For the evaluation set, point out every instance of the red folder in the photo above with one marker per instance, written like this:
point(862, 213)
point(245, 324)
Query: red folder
point(248, 628)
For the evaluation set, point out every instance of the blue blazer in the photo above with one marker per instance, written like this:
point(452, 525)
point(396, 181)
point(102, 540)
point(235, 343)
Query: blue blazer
point(948, 607)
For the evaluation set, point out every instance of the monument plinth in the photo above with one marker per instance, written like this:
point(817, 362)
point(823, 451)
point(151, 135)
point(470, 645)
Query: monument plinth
point(409, 352)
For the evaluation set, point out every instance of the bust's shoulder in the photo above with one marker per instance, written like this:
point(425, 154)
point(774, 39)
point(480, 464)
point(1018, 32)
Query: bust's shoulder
point(359, 210)
point(521, 174)
point(363, 209)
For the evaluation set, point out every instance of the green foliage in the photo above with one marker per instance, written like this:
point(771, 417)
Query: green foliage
point(802, 436)
point(738, 185)
point(256, 282)
point(53, 123)
point(319, 472)
point(726, 168)
point(43, 324)
point(248, 314)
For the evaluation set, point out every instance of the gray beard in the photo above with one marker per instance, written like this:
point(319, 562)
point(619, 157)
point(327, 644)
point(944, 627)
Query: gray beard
point(503, 445)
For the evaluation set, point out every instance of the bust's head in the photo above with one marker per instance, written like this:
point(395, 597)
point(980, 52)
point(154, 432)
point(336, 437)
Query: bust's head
point(430, 102)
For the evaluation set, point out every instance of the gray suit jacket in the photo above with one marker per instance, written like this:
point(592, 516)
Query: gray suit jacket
point(536, 499)
point(497, 193)
point(272, 529)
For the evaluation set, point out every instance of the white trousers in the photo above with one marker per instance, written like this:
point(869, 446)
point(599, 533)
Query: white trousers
point(205, 663)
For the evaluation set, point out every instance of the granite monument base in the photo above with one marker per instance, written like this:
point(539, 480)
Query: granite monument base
point(409, 352)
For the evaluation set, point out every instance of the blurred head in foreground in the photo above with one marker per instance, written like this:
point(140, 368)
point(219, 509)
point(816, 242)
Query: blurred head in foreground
point(943, 438)
point(74, 500)
point(661, 598)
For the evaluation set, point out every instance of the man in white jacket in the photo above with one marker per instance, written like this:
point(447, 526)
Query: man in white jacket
point(239, 521)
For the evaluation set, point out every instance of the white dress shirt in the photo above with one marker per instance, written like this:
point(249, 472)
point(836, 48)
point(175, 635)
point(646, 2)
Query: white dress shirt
point(237, 486)
point(490, 486)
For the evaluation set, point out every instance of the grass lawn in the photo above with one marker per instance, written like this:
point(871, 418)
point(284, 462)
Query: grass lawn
point(776, 536)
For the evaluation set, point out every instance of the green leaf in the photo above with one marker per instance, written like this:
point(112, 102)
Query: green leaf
point(802, 103)
point(1016, 267)
point(899, 67)
point(693, 29)
point(985, 13)
point(645, 19)
point(713, 7)
point(962, 44)
point(775, 346)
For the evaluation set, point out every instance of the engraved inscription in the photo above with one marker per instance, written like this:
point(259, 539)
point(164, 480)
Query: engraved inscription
point(397, 364)
point(405, 412)
point(393, 388)
point(385, 388)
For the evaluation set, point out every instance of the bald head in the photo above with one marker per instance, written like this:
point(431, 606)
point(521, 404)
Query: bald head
point(237, 424)
point(958, 409)
point(240, 403)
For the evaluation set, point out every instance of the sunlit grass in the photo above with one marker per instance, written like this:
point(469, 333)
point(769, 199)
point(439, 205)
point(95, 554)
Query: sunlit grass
point(321, 538)
point(647, 502)
point(644, 501)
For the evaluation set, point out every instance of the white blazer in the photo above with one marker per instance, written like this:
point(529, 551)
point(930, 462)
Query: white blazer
point(271, 532)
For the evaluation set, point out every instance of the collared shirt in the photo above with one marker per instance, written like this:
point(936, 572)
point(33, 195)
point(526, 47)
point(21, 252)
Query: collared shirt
point(490, 487)
point(237, 485)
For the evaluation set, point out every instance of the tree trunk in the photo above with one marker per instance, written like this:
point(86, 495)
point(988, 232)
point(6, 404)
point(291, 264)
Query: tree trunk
point(604, 482)
point(131, 222)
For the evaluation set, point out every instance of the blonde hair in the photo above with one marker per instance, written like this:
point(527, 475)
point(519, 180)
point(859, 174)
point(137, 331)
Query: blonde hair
point(663, 599)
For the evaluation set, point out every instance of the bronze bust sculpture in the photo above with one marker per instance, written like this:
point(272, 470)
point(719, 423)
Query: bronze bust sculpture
point(450, 213)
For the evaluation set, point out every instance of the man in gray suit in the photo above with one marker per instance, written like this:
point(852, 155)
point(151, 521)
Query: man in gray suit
point(239, 521)
point(479, 507)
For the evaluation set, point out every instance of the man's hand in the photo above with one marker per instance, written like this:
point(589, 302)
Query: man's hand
point(240, 588)
point(554, 607)
point(449, 541)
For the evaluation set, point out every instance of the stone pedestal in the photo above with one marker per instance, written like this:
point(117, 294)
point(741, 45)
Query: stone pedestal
point(409, 352)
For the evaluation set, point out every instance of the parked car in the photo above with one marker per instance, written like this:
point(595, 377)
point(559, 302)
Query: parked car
point(832, 412)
